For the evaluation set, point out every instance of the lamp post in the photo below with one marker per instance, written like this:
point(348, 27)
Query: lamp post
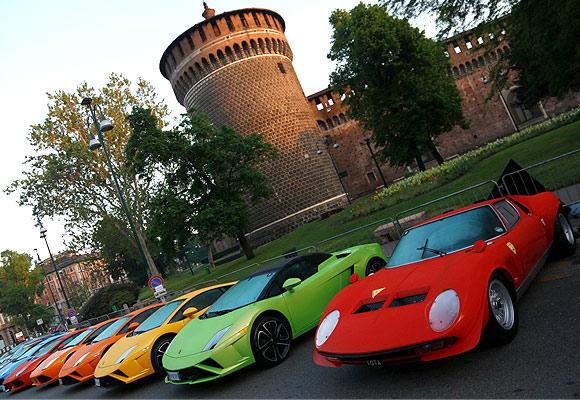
point(43, 236)
point(367, 141)
point(329, 141)
point(96, 142)
point(60, 317)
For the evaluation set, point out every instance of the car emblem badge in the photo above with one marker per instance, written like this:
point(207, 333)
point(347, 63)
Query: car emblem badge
point(377, 291)
point(511, 247)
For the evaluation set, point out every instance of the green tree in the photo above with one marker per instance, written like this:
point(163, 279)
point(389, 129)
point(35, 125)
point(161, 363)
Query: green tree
point(63, 178)
point(543, 35)
point(400, 88)
point(204, 176)
point(116, 295)
point(19, 285)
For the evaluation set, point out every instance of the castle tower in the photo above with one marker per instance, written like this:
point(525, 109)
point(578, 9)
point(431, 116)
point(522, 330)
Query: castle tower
point(237, 68)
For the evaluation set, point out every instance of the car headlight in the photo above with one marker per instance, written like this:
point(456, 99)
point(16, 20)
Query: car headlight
point(216, 338)
point(125, 354)
point(49, 364)
point(444, 310)
point(327, 327)
point(80, 360)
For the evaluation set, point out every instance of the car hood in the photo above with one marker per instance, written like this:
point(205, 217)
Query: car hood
point(18, 371)
point(141, 342)
point(193, 338)
point(54, 359)
point(93, 350)
point(398, 324)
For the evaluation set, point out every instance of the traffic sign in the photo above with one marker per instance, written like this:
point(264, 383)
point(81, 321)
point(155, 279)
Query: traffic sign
point(39, 321)
point(71, 312)
point(154, 281)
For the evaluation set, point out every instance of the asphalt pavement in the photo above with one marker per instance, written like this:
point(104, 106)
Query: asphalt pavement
point(542, 362)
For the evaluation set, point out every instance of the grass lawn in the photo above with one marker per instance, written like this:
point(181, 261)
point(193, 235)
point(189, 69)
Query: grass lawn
point(554, 175)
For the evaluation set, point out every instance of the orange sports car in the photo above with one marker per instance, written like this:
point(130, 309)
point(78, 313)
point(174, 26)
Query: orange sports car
point(47, 372)
point(80, 367)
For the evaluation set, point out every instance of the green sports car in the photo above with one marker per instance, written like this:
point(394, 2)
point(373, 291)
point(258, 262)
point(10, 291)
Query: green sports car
point(257, 318)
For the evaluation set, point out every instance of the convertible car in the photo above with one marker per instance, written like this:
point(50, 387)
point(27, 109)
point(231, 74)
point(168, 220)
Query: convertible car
point(451, 282)
point(256, 320)
point(139, 354)
point(19, 378)
point(80, 367)
point(47, 372)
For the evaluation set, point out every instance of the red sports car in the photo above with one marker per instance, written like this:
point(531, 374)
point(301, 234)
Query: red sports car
point(452, 281)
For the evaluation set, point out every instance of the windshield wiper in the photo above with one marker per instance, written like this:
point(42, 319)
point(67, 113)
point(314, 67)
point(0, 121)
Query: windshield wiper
point(440, 253)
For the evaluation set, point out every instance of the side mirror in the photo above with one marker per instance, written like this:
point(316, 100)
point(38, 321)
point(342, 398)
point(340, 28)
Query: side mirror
point(291, 283)
point(479, 246)
point(133, 326)
point(354, 278)
point(190, 312)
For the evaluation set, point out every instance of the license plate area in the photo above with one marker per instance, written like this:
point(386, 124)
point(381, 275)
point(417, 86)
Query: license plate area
point(173, 376)
point(97, 382)
point(374, 363)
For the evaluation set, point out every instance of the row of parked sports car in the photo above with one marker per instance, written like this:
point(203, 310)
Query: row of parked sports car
point(451, 282)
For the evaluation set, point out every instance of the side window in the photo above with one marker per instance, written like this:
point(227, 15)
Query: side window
point(508, 212)
point(200, 302)
point(139, 318)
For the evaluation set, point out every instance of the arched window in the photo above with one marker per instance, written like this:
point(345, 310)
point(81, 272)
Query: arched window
point(499, 53)
point(335, 120)
point(206, 65)
point(199, 70)
point(474, 63)
point(322, 125)
point(342, 118)
point(455, 71)
point(187, 78)
point(246, 48)
point(230, 54)
point(254, 47)
point(269, 45)
point(506, 49)
point(214, 61)
point(192, 74)
point(468, 66)
point(480, 61)
point(222, 58)
point(275, 45)
point(262, 46)
point(238, 51)
point(329, 123)
point(280, 47)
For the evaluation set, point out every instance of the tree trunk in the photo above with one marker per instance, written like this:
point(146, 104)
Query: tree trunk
point(210, 260)
point(420, 163)
point(436, 154)
point(246, 247)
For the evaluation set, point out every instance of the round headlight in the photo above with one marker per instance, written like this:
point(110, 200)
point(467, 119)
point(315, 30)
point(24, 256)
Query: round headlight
point(327, 327)
point(444, 310)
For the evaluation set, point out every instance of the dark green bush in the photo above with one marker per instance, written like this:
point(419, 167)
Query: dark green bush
point(103, 301)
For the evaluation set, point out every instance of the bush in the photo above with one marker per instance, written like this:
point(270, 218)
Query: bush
point(103, 301)
point(424, 181)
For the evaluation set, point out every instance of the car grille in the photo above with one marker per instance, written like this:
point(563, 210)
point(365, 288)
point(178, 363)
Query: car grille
point(43, 379)
point(193, 374)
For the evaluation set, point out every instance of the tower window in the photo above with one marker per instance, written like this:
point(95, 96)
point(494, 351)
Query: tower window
point(230, 24)
point(243, 19)
point(202, 34)
point(371, 176)
point(282, 68)
point(216, 28)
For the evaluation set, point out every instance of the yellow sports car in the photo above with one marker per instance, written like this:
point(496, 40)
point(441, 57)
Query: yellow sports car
point(139, 354)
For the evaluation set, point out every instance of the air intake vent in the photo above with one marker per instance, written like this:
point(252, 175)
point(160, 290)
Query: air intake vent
point(408, 300)
point(369, 307)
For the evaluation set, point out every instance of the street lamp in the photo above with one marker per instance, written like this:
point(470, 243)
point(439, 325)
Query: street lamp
point(43, 236)
point(49, 286)
point(97, 141)
point(328, 141)
point(367, 141)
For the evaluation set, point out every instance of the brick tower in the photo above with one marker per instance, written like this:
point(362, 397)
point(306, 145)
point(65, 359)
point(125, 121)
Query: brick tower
point(237, 68)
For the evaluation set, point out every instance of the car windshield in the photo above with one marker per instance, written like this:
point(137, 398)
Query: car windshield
point(79, 338)
point(437, 238)
point(39, 348)
point(46, 347)
point(241, 294)
point(158, 317)
point(111, 329)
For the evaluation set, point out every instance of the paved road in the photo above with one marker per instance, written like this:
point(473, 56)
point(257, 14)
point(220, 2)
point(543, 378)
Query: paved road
point(543, 361)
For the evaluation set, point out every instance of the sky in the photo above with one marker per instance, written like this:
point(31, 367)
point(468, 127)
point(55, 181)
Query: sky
point(53, 45)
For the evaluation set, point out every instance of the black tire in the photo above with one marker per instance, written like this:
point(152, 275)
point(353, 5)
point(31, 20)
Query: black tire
point(501, 296)
point(159, 348)
point(271, 340)
point(374, 265)
point(564, 240)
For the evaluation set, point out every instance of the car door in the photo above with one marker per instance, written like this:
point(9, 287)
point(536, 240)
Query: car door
point(526, 234)
point(306, 302)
